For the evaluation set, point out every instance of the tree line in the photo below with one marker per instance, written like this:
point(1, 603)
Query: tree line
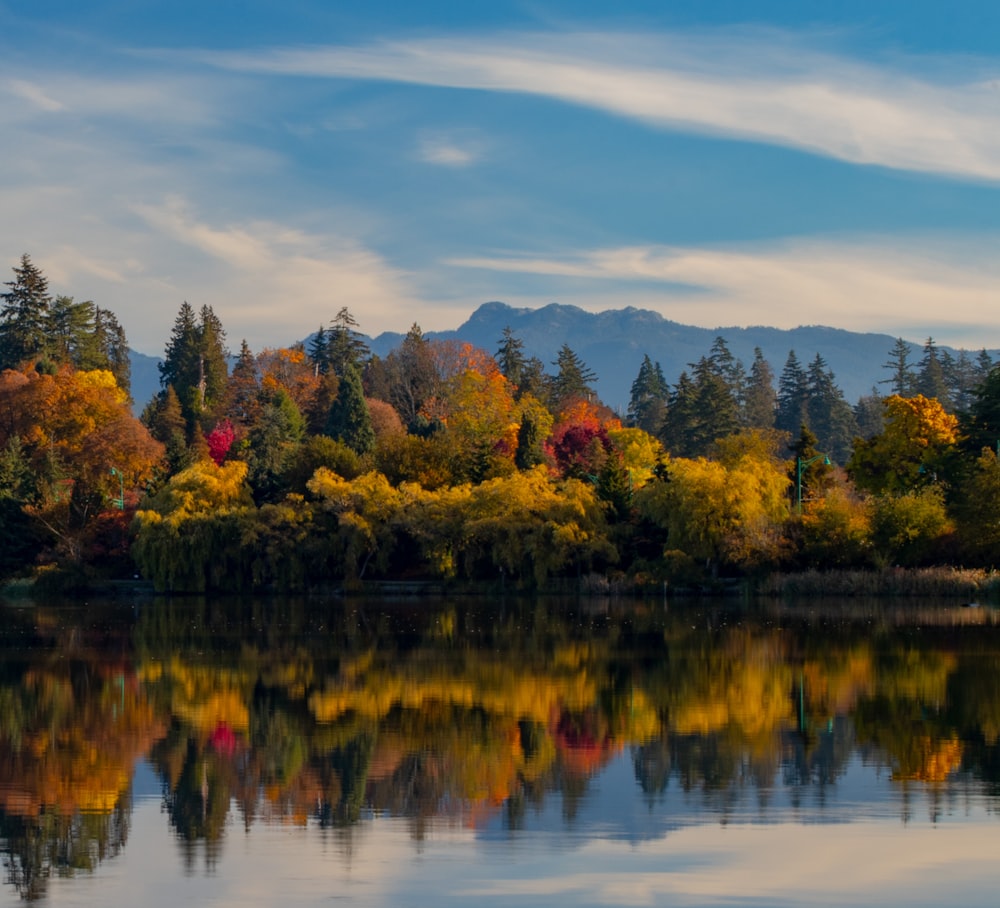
point(323, 464)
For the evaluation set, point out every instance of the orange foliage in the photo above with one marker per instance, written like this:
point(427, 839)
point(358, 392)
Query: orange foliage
point(289, 368)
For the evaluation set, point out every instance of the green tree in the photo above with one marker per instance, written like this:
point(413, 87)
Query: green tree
point(349, 420)
point(345, 346)
point(931, 381)
point(195, 362)
point(407, 378)
point(271, 442)
point(572, 381)
point(647, 406)
point(760, 399)
point(829, 415)
point(902, 380)
point(24, 316)
point(793, 396)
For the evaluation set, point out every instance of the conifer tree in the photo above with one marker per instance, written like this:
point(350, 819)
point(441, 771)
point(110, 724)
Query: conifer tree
point(195, 362)
point(345, 346)
point(829, 415)
point(760, 400)
point(349, 420)
point(573, 378)
point(24, 316)
point(901, 380)
point(930, 380)
point(793, 396)
point(650, 392)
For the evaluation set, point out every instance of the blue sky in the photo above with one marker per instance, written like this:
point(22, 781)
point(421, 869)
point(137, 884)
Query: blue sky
point(722, 163)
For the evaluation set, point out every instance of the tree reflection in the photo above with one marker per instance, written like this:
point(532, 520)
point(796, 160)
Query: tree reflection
point(326, 713)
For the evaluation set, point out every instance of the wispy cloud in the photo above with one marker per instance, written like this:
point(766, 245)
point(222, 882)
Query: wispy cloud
point(449, 151)
point(755, 86)
point(35, 94)
point(927, 284)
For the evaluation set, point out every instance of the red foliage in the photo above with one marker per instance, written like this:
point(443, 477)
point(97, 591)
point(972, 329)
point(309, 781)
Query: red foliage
point(579, 449)
point(220, 440)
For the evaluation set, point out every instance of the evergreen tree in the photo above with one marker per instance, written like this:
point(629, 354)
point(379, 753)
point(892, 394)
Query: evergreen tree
point(793, 397)
point(318, 351)
point(71, 335)
point(242, 397)
point(24, 316)
point(195, 362)
point(961, 375)
point(680, 431)
point(724, 364)
point(573, 379)
point(830, 416)
point(112, 348)
point(902, 380)
point(510, 356)
point(810, 470)
point(271, 443)
point(345, 346)
point(930, 380)
point(349, 420)
point(980, 425)
point(760, 400)
point(869, 415)
point(165, 420)
point(650, 392)
point(529, 443)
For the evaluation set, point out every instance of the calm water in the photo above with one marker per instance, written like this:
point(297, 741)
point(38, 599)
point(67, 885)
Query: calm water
point(504, 753)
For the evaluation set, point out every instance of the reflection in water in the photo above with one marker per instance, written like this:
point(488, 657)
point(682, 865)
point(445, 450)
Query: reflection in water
point(481, 715)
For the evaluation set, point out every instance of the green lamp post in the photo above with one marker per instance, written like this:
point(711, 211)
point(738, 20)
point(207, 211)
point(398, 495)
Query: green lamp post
point(801, 465)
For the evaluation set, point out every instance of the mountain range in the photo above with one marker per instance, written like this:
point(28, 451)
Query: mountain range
point(612, 344)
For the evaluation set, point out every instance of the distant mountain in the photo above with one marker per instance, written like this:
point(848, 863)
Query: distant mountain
point(612, 343)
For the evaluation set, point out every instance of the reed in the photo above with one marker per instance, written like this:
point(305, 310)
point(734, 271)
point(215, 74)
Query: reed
point(969, 583)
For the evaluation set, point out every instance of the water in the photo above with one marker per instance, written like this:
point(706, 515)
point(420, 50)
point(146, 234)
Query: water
point(499, 753)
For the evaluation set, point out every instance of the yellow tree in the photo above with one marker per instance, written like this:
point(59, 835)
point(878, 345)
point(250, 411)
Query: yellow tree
point(721, 512)
point(914, 447)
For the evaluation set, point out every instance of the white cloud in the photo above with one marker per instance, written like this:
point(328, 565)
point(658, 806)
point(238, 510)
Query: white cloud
point(448, 151)
point(35, 94)
point(920, 287)
point(755, 86)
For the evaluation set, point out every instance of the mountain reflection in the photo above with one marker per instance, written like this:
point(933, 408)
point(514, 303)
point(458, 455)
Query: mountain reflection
point(324, 713)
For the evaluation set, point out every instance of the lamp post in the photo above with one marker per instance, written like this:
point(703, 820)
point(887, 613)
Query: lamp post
point(801, 465)
point(119, 502)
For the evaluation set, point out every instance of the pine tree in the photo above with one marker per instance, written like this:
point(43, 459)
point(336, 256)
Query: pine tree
point(24, 316)
point(760, 400)
point(318, 351)
point(195, 362)
point(650, 392)
point(793, 396)
point(349, 420)
point(112, 348)
point(345, 346)
point(829, 415)
point(902, 379)
point(573, 379)
point(525, 373)
point(930, 380)
point(869, 415)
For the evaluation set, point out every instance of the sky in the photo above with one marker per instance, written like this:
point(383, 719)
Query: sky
point(720, 162)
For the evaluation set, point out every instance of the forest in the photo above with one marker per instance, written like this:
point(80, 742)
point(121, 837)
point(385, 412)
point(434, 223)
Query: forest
point(322, 466)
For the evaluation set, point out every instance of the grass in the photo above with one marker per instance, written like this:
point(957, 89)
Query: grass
point(968, 583)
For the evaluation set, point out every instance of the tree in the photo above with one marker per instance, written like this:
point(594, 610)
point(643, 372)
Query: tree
point(650, 392)
point(913, 449)
point(829, 415)
point(793, 396)
point(572, 381)
point(981, 423)
point(195, 362)
point(349, 420)
point(345, 346)
point(760, 400)
point(271, 442)
point(930, 380)
point(902, 380)
point(525, 373)
point(407, 378)
point(24, 315)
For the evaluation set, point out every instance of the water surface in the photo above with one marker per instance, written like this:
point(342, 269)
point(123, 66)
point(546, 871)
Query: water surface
point(499, 753)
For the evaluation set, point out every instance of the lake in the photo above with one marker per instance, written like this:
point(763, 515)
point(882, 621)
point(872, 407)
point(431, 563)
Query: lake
point(427, 752)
